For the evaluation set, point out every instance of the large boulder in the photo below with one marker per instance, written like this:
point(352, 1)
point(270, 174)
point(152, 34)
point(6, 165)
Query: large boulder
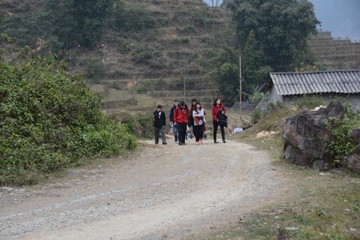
point(306, 137)
point(354, 135)
point(352, 161)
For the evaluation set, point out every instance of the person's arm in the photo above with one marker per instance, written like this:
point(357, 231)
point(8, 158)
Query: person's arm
point(198, 114)
point(175, 116)
point(214, 114)
point(171, 114)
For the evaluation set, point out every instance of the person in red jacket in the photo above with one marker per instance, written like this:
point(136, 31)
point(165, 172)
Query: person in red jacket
point(180, 121)
point(219, 119)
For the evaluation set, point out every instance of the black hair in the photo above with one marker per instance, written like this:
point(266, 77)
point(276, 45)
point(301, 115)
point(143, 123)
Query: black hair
point(214, 104)
point(197, 104)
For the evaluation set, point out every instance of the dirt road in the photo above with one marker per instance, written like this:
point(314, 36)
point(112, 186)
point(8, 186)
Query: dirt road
point(160, 192)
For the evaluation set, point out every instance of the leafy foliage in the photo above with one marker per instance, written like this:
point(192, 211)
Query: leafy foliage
point(280, 28)
point(95, 70)
point(23, 27)
point(133, 18)
point(140, 124)
point(80, 21)
point(223, 69)
point(50, 119)
point(342, 145)
point(310, 101)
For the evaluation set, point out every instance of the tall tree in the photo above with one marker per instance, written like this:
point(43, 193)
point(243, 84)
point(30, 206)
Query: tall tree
point(280, 28)
point(222, 67)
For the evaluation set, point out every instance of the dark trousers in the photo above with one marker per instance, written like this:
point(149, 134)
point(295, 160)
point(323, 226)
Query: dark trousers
point(181, 132)
point(199, 132)
point(157, 131)
point(215, 124)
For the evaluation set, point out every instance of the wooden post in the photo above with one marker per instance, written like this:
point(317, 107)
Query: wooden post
point(240, 88)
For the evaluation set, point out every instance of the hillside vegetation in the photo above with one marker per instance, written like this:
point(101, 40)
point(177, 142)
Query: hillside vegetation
point(146, 47)
point(49, 120)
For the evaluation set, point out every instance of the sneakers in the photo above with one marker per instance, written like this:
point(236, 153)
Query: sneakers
point(164, 143)
point(224, 141)
point(201, 141)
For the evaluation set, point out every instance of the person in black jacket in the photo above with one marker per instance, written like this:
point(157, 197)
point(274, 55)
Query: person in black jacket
point(159, 121)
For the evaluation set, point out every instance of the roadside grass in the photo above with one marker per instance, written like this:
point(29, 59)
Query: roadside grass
point(318, 205)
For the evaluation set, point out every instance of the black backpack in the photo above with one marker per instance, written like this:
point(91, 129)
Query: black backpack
point(222, 118)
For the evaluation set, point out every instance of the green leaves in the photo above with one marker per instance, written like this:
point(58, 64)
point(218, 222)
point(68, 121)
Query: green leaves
point(222, 68)
point(280, 29)
point(50, 119)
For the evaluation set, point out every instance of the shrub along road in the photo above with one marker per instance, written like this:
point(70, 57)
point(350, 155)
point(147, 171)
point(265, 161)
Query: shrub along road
point(165, 191)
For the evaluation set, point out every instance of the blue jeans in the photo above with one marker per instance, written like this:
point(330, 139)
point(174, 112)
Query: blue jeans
point(175, 131)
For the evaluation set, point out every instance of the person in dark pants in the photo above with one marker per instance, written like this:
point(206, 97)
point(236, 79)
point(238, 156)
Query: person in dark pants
point(199, 121)
point(172, 111)
point(219, 119)
point(159, 120)
point(181, 121)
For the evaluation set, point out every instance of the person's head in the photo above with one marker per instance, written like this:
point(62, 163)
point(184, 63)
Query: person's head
point(159, 107)
point(193, 102)
point(182, 105)
point(176, 103)
point(217, 102)
point(198, 105)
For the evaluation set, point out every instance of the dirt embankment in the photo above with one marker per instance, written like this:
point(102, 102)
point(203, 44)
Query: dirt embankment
point(160, 192)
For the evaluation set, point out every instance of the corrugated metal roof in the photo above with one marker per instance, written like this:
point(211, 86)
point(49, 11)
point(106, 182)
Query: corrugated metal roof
point(290, 83)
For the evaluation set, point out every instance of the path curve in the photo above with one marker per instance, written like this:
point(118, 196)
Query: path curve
point(160, 192)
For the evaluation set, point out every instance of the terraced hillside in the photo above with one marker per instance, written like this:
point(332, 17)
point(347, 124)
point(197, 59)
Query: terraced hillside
point(160, 61)
point(335, 54)
point(137, 68)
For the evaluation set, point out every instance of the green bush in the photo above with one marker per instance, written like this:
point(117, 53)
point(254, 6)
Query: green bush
point(342, 145)
point(149, 56)
point(150, 85)
point(24, 28)
point(123, 45)
point(95, 70)
point(139, 124)
point(310, 101)
point(133, 18)
point(182, 41)
point(255, 116)
point(49, 120)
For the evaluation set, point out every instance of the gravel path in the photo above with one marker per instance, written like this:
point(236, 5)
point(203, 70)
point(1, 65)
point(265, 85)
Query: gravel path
point(160, 192)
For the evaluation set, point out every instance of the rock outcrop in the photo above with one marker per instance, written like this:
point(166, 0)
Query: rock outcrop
point(306, 137)
point(352, 162)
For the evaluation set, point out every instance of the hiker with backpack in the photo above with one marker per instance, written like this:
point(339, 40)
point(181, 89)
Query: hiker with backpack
point(198, 114)
point(180, 121)
point(159, 122)
point(219, 119)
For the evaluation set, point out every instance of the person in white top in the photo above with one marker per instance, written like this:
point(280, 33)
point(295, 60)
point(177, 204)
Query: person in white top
point(199, 123)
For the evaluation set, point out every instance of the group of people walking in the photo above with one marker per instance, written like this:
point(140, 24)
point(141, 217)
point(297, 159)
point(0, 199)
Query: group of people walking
point(182, 117)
